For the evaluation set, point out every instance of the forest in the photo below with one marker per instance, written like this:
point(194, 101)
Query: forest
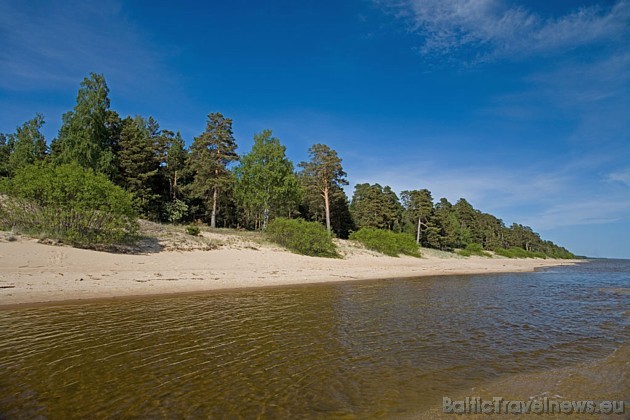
point(104, 169)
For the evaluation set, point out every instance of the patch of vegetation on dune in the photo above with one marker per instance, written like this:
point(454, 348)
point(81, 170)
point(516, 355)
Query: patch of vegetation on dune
point(302, 237)
point(387, 242)
point(67, 203)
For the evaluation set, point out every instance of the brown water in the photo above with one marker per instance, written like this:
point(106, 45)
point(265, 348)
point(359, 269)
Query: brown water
point(389, 348)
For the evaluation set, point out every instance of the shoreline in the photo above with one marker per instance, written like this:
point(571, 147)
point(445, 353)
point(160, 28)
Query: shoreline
point(34, 274)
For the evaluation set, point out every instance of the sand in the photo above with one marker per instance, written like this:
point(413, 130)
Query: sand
point(32, 272)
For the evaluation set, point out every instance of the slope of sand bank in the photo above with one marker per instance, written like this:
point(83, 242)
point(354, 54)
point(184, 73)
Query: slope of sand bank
point(33, 272)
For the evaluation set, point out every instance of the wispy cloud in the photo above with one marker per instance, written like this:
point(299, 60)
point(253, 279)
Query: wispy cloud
point(493, 28)
point(590, 211)
point(48, 47)
point(622, 176)
point(55, 44)
point(544, 195)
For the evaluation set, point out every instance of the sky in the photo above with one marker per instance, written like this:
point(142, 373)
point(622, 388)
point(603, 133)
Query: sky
point(520, 106)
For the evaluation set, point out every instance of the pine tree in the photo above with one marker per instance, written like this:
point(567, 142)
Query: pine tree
point(491, 230)
point(376, 206)
point(313, 208)
point(448, 224)
point(467, 218)
point(174, 160)
point(323, 173)
point(210, 155)
point(138, 161)
point(418, 206)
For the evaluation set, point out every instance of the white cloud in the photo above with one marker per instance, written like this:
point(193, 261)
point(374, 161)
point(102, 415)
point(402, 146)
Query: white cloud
point(621, 176)
point(588, 211)
point(545, 195)
point(493, 28)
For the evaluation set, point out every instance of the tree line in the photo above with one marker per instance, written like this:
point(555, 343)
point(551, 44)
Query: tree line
point(211, 182)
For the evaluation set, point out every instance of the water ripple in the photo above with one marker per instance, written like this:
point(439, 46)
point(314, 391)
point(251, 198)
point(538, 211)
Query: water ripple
point(364, 349)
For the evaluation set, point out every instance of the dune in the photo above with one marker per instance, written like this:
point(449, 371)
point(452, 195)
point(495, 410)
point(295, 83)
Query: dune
point(33, 272)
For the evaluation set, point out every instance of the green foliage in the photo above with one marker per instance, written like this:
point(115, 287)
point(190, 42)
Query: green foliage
point(386, 242)
point(85, 137)
point(174, 160)
point(28, 144)
point(302, 237)
point(176, 210)
point(418, 215)
point(138, 160)
point(266, 186)
point(169, 182)
point(210, 155)
point(516, 252)
point(376, 206)
point(323, 174)
point(6, 147)
point(447, 224)
point(313, 208)
point(554, 251)
point(67, 202)
point(193, 230)
point(473, 249)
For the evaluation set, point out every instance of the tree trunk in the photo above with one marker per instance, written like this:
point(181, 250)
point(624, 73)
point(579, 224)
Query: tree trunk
point(327, 205)
point(213, 217)
point(175, 186)
point(419, 230)
point(265, 218)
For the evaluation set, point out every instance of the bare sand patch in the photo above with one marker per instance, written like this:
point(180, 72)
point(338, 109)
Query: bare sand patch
point(34, 272)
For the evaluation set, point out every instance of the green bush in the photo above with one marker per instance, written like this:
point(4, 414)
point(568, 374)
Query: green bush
point(386, 242)
point(473, 249)
point(66, 202)
point(176, 210)
point(563, 254)
point(193, 230)
point(302, 237)
point(516, 252)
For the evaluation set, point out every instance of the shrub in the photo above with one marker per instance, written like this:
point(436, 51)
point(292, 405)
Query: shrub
point(516, 252)
point(302, 237)
point(176, 210)
point(193, 230)
point(561, 253)
point(386, 242)
point(473, 249)
point(67, 202)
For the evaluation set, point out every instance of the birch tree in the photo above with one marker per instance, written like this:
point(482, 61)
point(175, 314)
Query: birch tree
point(266, 185)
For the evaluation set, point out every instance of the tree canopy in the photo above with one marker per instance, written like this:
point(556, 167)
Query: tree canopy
point(323, 173)
point(210, 155)
point(84, 136)
point(27, 144)
point(266, 185)
point(208, 180)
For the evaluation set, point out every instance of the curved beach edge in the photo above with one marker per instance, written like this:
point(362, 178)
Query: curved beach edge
point(32, 272)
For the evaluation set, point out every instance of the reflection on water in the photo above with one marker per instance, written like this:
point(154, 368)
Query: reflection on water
point(379, 348)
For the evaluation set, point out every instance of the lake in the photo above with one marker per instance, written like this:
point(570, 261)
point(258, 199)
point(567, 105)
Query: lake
point(388, 348)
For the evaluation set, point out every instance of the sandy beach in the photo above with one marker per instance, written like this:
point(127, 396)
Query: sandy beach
point(32, 272)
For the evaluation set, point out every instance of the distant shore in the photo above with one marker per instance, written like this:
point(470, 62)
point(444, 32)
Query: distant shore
point(31, 272)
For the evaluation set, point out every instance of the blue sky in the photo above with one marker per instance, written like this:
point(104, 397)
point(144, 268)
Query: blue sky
point(522, 107)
